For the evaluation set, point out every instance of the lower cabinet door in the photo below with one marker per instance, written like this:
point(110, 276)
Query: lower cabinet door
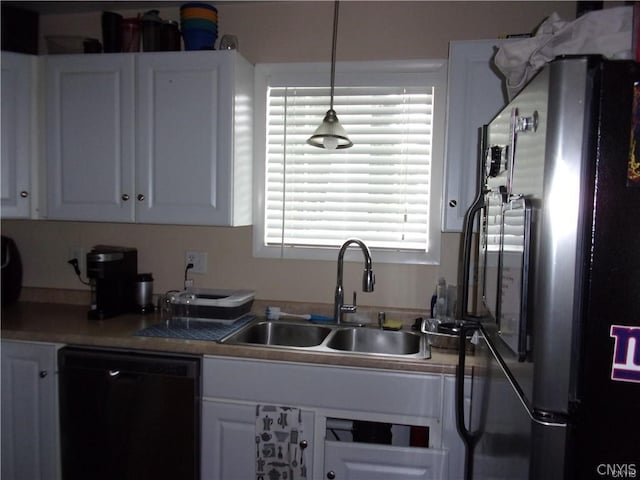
point(29, 411)
point(368, 461)
point(231, 445)
point(228, 446)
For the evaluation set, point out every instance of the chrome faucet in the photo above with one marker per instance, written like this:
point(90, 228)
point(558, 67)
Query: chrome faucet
point(368, 280)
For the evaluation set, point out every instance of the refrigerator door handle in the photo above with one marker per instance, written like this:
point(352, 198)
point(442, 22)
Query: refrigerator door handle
point(477, 205)
point(469, 438)
point(466, 259)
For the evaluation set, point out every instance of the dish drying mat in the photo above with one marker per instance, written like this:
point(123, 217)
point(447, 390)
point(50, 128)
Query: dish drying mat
point(194, 329)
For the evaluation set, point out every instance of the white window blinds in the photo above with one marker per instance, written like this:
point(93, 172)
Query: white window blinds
point(379, 190)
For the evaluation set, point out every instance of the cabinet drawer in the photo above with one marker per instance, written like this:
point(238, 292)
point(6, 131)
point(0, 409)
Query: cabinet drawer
point(367, 461)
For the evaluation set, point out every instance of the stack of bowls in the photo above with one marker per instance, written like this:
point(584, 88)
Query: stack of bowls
point(199, 22)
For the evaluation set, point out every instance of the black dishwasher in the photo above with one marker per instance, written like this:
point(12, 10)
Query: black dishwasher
point(128, 415)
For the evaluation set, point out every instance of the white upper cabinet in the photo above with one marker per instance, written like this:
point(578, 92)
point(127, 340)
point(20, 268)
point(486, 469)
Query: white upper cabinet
point(194, 137)
point(151, 137)
point(475, 96)
point(90, 137)
point(19, 150)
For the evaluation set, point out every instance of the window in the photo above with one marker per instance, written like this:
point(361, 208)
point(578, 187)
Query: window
point(386, 189)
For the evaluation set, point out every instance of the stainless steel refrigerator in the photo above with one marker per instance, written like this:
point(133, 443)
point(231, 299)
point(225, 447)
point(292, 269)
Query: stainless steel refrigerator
point(553, 244)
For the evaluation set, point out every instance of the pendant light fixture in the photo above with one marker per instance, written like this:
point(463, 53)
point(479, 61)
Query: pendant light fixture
point(331, 134)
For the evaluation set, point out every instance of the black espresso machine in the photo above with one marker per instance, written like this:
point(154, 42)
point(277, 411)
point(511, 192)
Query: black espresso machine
point(112, 275)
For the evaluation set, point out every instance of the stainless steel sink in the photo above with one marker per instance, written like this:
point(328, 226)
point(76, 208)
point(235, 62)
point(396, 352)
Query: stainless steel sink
point(375, 341)
point(281, 334)
point(332, 339)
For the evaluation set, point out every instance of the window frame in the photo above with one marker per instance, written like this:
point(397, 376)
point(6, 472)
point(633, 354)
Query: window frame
point(384, 73)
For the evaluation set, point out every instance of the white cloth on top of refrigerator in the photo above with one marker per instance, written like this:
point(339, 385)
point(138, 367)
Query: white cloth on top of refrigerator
point(604, 32)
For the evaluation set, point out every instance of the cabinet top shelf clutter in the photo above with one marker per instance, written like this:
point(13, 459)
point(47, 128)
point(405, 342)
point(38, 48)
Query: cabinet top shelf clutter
point(162, 137)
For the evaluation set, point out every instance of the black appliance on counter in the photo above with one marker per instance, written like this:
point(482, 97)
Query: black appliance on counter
point(112, 273)
point(11, 271)
point(558, 290)
point(129, 416)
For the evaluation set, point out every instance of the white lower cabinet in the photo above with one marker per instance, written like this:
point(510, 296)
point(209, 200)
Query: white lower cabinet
point(367, 461)
point(330, 399)
point(30, 440)
point(230, 449)
point(226, 426)
point(450, 436)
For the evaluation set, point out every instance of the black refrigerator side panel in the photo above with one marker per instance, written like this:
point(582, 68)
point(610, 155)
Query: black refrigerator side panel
point(604, 438)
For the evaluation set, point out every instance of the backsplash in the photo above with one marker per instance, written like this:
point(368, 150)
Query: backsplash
point(44, 247)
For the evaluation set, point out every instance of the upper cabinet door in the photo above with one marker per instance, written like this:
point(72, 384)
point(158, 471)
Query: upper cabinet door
point(185, 156)
point(18, 130)
point(475, 96)
point(151, 138)
point(90, 137)
point(179, 148)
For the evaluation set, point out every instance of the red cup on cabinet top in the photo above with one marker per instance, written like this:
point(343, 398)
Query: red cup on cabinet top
point(131, 35)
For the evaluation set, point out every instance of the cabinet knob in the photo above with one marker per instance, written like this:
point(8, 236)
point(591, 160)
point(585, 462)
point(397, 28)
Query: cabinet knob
point(140, 197)
point(304, 444)
point(125, 197)
point(43, 373)
point(331, 474)
point(24, 194)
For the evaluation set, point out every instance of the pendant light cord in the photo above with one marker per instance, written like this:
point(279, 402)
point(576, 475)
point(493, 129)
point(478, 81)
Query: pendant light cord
point(330, 134)
point(333, 49)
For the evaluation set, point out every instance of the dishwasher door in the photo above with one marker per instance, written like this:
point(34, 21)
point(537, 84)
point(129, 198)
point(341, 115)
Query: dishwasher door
point(129, 416)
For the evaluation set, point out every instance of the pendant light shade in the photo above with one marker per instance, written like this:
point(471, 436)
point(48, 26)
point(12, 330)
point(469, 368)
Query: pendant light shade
point(331, 134)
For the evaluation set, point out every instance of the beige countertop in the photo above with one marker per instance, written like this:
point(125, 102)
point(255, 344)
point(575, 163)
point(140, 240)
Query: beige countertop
point(68, 324)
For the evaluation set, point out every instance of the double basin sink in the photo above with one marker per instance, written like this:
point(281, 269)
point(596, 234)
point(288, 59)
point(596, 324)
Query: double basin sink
point(332, 338)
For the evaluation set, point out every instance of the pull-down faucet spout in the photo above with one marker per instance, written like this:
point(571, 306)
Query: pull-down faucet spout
point(368, 279)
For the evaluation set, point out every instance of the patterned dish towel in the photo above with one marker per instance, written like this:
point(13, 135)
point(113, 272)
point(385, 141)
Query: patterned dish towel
point(278, 453)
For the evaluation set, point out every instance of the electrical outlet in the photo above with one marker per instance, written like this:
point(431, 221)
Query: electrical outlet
point(199, 260)
point(80, 255)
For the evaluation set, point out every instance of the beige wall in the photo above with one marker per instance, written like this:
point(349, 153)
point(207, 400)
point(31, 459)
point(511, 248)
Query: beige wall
point(281, 32)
